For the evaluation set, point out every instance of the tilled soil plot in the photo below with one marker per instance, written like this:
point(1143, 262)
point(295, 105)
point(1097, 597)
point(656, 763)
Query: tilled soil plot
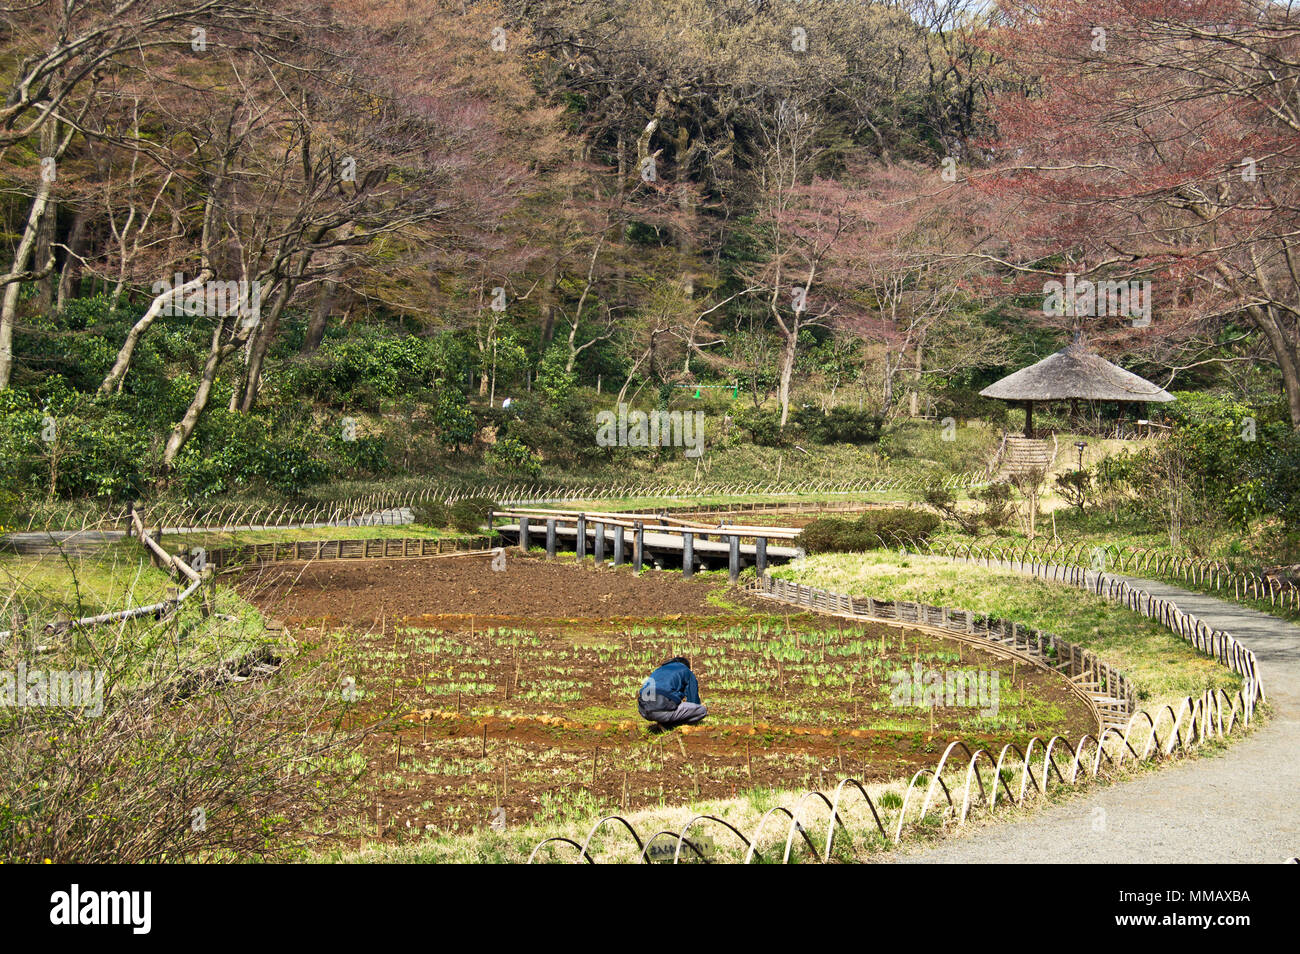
point(364, 591)
point(509, 696)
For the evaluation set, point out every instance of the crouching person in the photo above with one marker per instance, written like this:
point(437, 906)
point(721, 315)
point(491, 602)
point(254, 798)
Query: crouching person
point(670, 695)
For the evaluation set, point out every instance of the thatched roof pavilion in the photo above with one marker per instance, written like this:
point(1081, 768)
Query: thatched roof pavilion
point(1073, 373)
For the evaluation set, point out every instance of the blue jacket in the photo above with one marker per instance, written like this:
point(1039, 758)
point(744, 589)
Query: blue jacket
point(671, 683)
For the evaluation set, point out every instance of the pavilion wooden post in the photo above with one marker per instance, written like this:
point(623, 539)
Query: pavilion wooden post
point(1029, 419)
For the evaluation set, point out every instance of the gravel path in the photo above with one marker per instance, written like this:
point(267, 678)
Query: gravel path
point(1239, 806)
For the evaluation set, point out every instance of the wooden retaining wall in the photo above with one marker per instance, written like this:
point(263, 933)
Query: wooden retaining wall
point(359, 549)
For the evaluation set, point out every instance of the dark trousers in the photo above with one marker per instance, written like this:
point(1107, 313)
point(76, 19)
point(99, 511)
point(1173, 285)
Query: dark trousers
point(686, 713)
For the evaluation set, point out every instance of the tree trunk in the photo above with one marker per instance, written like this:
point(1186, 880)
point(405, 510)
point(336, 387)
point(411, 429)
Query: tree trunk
point(913, 400)
point(43, 301)
point(263, 336)
point(113, 380)
point(572, 359)
point(789, 347)
point(1286, 349)
point(320, 318)
point(185, 426)
point(548, 309)
point(70, 274)
point(22, 256)
point(887, 399)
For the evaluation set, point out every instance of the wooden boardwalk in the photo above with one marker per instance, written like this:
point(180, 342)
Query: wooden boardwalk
point(650, 539)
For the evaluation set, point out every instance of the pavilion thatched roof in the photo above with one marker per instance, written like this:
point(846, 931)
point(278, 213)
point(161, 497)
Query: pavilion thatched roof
point(1075, 372)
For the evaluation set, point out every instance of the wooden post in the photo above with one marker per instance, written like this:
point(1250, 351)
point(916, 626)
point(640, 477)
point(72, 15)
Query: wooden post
point(688, 554)
point(733, 559)
point(760, 555)
point(580, 546)
point(171, 600)
point(523, 534)
point(171, 603)
point(550, 538)
point(618, 545)
point(1029, 419)
point(21, 638)
point(638, 547)
point(598, 550)
point(209, 592)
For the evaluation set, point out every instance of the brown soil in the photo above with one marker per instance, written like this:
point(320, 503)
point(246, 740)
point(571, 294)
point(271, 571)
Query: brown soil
point(362, 592)
point(516, 689)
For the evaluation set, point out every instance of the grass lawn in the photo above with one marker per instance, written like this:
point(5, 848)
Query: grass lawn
point(1161, 665)
point(116, 577)
point(1264, 545)
point(119, 577)
point(573, 816)
point(212, 540)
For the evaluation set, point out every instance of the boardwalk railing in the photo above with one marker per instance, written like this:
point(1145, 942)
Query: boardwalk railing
point(777, 506)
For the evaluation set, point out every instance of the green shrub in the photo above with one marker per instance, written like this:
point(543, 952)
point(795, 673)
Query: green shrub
point(71, 446)
point(510, 457)
point(365, 454)
point(1238, 463)
point(764, 426)
point(371, 366)
point(10, 510)
point(560, 432)
point(452, 418)
point(554, 383)
point(1075, 486)
point(469, 514)
point(231, 451)
point(874, 530)
point(432, 513)
point(966, 404)
point(843, 425)
point(996, 498)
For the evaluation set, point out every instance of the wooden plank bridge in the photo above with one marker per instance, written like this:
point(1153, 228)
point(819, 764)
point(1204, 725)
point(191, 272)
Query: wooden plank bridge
point(649, 539)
